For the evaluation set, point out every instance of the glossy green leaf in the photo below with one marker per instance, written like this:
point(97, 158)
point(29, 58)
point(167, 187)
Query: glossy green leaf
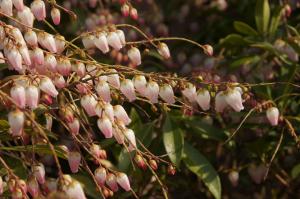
point(244, 28)
point(199, 165)
point(262, 15)
point(275, 20)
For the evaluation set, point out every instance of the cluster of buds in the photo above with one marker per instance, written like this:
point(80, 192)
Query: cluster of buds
point(129, 10)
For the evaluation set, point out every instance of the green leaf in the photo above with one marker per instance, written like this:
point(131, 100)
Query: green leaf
point(199, 165)
point(233, 40)
point(173, 141)
point(295, 171)
point(275, 20)
point(262, 15)
point(244, 61)
point(244, 28)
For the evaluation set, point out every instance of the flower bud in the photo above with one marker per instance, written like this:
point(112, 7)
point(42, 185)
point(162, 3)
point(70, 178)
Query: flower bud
point(114, 41)
point(105, 126)
point(102, 154)
point(203, 99)
point(125, 10)
point(118, 135)
point(114, 79)
point(190, 92)
point(25, 55)
point(32, 96)
point(140, 162)
point(208, 49)
point(167, 94)
point(88, 41)
point(127, 89)
point(233, 177)
point(88, 102)
point(101, 43)
point(6, 7)
point(17, 93)
point(152, 91)
point(130, 136)
point(103, 91)
point(74, 159)
point(95, 150)
point(48, 87)
point(47, 41)
point(74, 126)
point(121, 36)
point(60, 43)
point(123, 181)
point(99, 109)
point(38, 56)
point(31, 38)
point(220, 102)
point(50, 62)
point(55, 15)
point(59, 81)
point(75, 190)
point(171, 170)
point(26, 16)
point(19, 5)
point(39, 172)
point(111, 181)
point(38, 8)
point(100, 175)
point(79, 68)
point(33, 186)
point(14, 59)
point(163, 50)
point(135, 56)
point(121, 114)
point(47, 99)
point(109, 111)
point(134, 14)
point(16, 121)
point(153, 164)
point(64, 66)
point(234, 99)
point(17, 193)
point(140, 84)
point(273, 115)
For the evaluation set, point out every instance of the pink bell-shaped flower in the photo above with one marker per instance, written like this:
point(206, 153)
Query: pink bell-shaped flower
point(103, 91)
point(125, 10)
point(55, 15)
point(111, 181)
point(59, 81)
point(100, 175)
point(109, 111)
point(6, 6)
point(114, 79)
point(74, 126)
point(163, 50)
point(14, 58)
point(134, 56)
point(31, 38)
point(19, 5)
point(64, 66)
point(74, 159)
point(50, 62)
point(133, 13)
point(208, 49)
point(120, 114)
point(32, 96)
point(105, 126)
point(17, 93)
point(25, 55)
point(127, 89)
point(101, 43)
point(74, 190)
point(88, 102)
point(140, 84)
point(33, 186)
point(234, 99)
point(130, 136)
point(152, 91)
point(47, 41)
point(16, 121)
point(190, 92)
point(47, 86)
point(88, 41)
point(38, 56)
point(167, 94)
point(38, 8)
point(79, 68)
point(114, 41)
point(273, 115)
point(203, 99)
point(60, 43)
point(39, 172)
point(220, 102)
point(123, 181)
point(26, 16)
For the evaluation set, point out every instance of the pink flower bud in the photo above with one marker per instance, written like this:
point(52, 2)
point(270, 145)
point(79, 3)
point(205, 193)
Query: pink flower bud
point(19, 5)
point(167, 94)
point(190, 92)
point(130, 136)
point(47, 41)
point(38, 8)
point(32, 96)
point(123, 181)
point(114, 41)
point(74, 159)
point(55, 15)
point(25, 55)
point(121, 114)
point(1, 186)
point(101, 43)
point(273, 115)
point(111, 181)
point(6, 7)
point(163, 50)
point(31, 38)
point(14, 59)
point(26, 16)
point(134, 14)
point(48, 87)
point(203, 99)
point(220, 102)
point(100, 175)
point(125, 10)
point(88, 41)
point(234, 99)
point(64, 66)
point(127, 89)
point(74, 190)
point(16, 121)
point(59, 81)
point(208, 49)
point(16, 33)
point(60, 43)
point(33, 186)
point(233, 177)
point(79, 68)
point(135, 56)
point(109, 111)
point(121, 36)
point(105, 126)
point(50, 62)
point(17, 93)
point(38, 56)
point(152, 91)
point(74, 126)
point(95, 150)
point(140, 84)
point(103, 91)
point(88, 102)
point(39, 172)
point(114, 79)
